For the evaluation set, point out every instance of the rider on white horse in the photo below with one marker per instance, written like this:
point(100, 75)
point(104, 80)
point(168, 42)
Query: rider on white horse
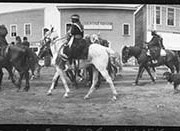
point(76, 32)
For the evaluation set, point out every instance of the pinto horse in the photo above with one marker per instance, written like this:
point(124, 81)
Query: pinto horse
point(46, 51)
point(97, 55)
point(145, 62)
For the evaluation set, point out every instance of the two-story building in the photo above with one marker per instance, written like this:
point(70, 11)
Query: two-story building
point(30, 22)
point(114, 22)
point(165, 19)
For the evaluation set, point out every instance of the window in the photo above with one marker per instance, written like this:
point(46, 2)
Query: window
point(126, 29)
point(158, 15)
point(27, 29)
point(13, 30)
point(170, 17)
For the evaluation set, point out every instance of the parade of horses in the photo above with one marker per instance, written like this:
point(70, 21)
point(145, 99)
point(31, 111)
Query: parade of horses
point(86, 82)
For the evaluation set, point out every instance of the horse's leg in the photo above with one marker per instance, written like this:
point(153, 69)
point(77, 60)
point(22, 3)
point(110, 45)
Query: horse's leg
point(1, 77)
point(59, 72)
point(139, 73)
point(38, 71)
point(56, 82)
point(11, 75)
point(149, 72)
point(108, 79)
point(99, 80)
point(176, 64)
point(72, 77)
point(21, 74)
point(27, 81)
point(94, 81)
point(170, 66)
point(155, 75)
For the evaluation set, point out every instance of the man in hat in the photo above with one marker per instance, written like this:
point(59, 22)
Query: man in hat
point(154, 47)
point(74, 37)
point(154, 34)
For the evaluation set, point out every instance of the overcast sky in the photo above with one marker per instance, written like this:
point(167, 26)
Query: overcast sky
point(8, 7)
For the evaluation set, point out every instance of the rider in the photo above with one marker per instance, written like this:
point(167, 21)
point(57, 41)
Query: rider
point(3, 33)
point(74, 35)
point(157, 44)
point(154, 34)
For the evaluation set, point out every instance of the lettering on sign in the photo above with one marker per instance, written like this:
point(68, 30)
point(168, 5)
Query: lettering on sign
point(98, 25)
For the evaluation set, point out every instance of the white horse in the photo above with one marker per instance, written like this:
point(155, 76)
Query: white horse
point(97, 55)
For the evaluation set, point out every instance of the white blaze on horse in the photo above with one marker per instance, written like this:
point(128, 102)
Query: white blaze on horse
point(97, 55)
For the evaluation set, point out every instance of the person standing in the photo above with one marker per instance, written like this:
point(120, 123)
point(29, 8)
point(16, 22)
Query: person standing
point(18, 41)
point(25, 42)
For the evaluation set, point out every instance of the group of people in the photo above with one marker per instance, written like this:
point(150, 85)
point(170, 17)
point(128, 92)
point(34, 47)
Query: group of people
point(20, 43)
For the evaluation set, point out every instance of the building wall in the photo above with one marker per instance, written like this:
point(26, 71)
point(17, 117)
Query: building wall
point(140, 26)
point(116, 17)
point(35, 17)
point(170, 34)
point(164, 27)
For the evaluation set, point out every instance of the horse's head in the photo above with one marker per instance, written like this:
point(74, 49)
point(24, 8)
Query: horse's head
point(125, 54)
point(104, 43)
point(94, 38)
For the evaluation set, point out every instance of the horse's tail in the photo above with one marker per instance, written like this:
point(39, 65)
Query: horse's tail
point(110, 52)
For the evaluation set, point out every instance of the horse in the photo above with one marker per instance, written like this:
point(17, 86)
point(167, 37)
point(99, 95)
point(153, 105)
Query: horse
point(171, 59)
point(46, 51)
point(112, 69)
point(98, 55)
point(145, 61)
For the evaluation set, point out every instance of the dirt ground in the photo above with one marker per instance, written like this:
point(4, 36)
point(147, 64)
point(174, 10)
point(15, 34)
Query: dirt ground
point(146, 104)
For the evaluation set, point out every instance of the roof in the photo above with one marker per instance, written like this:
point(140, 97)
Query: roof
point(98, 6)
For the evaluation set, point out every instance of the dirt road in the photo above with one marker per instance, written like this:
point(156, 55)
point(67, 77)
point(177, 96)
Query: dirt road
point(147, 104)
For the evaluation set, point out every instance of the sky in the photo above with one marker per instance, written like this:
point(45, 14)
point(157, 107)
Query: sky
point(9, 7)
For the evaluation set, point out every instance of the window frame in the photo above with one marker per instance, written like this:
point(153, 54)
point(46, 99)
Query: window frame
point(11, 30)
point(25, 29)
point(160, 15)
point(174, 16)
point(128, 29)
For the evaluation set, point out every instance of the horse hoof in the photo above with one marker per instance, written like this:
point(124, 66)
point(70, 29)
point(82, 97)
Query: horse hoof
point(134, 84)
point(49, 94)
point(153, 82)
point(26, 89)
point(65, 96)
point(86, 97)
point(114, 98)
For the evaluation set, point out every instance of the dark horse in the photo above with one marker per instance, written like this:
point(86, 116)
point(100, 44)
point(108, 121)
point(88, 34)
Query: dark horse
point(145, 62)
point(14, 56)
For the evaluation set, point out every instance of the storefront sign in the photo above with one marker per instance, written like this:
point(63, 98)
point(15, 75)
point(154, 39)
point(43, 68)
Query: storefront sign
point(98, 26)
